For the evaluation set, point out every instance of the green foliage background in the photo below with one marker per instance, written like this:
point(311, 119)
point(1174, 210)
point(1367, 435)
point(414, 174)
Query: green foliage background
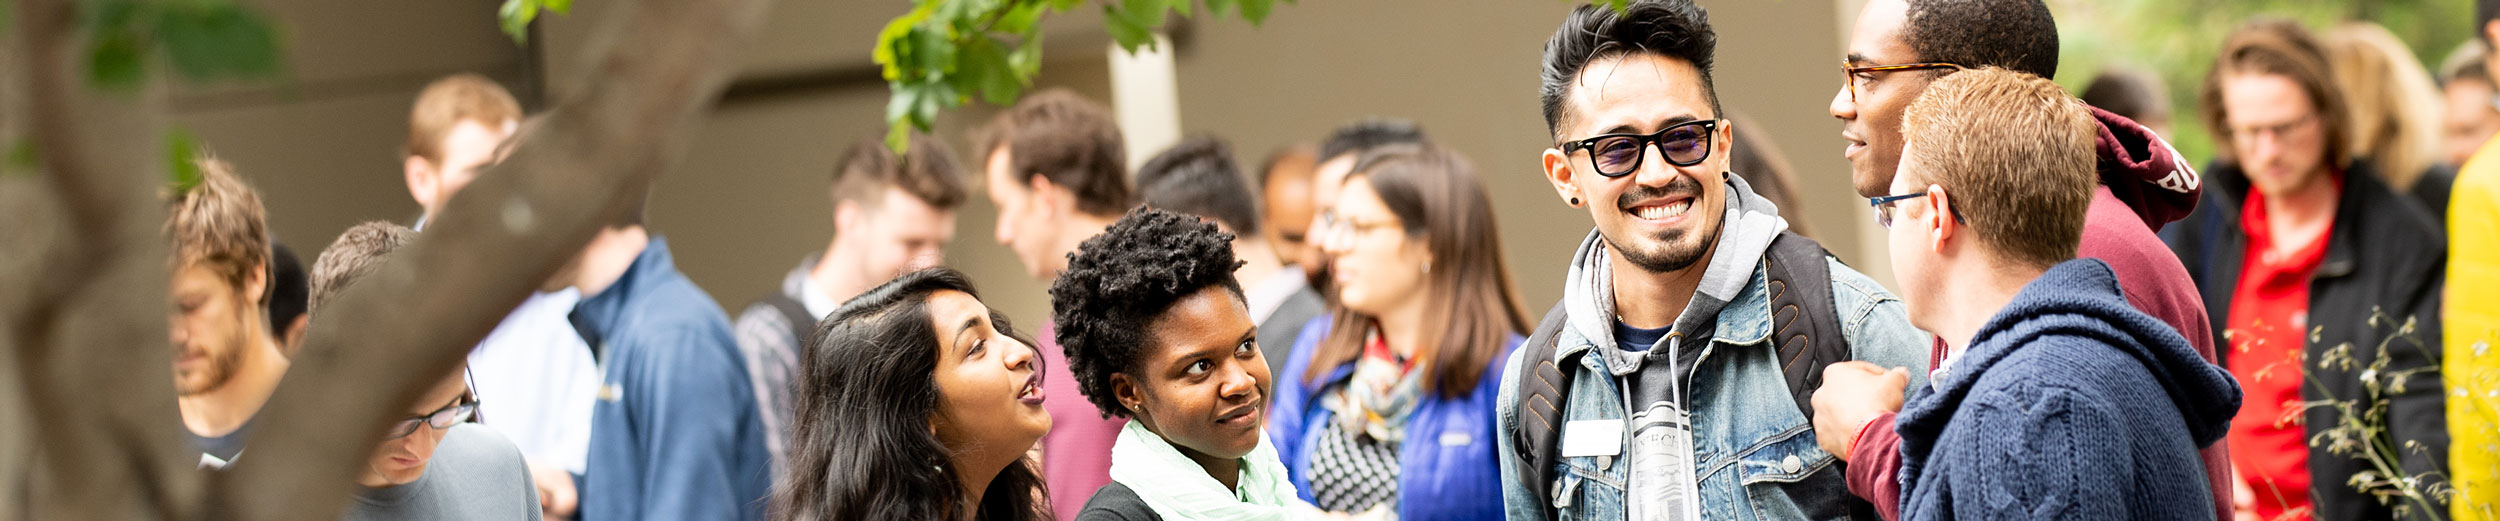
point(2177, 40)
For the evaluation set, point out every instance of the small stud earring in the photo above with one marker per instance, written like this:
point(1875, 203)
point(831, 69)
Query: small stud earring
point(1575, 202)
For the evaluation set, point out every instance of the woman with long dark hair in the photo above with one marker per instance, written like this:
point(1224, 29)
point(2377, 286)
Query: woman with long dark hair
point(1390, 406)
point(916, 401)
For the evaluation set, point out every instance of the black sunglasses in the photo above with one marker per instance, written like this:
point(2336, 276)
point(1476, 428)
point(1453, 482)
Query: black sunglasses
point(1618, 155)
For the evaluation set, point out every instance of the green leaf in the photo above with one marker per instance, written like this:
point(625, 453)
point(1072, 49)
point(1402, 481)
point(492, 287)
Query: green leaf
point(965, 14)
point(1217, 7)
point(1256, 10)
point(515, 16)
point(985, 69)
point(1183, 7)
point(1021, 19)
point(1127, 28)
point(898, 106)
point(898, 137)
point(116, 60)
point(559, 6)
point(931, 51)
point(212, 41)
point(1027, 60)
point(940, 96)
point(894, 42)
point(181, 151)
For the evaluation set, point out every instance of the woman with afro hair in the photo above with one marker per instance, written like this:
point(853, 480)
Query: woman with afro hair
point(1156, 331)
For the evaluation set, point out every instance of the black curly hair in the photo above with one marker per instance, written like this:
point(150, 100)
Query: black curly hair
point(1117, 283)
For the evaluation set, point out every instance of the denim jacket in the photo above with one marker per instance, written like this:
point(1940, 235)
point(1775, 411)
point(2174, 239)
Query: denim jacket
point(1754, 452)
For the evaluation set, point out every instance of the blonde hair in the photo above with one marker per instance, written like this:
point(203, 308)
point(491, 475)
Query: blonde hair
point(2014, 151)
point(451, 100)
point(2393, 104)
point(219, 224)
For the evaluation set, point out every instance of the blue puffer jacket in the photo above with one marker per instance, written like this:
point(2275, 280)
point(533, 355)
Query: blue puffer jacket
point(1446, 469)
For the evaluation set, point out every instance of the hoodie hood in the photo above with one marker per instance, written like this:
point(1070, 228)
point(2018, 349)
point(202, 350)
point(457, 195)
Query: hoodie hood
point(2081, 298)
point(2143, 171)
point(1746, 230)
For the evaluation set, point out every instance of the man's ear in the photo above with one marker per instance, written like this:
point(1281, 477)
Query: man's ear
point(1725, 142)
point(256, 286)
point(2491, 31)
point(1049, 196)
point(1940, 212)
point(1558, 172)
point(293, 337)
point(847, 216)
point(421, 180)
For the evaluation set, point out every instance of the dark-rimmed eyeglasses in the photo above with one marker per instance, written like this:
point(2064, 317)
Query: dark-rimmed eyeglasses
point(1618, 155)
point(1886, 205)
point(454, 414)
point(1849, 73)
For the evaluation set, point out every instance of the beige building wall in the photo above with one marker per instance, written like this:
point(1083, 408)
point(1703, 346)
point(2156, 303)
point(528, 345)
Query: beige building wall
point(749, 198)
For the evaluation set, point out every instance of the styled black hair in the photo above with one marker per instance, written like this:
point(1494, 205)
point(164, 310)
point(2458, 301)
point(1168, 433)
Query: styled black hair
point(1198, 177)
point(289, 290)
point(1671, 28)
point(1356, 137)
point(2013, 34)
point(1119, 282)
point(861, 447)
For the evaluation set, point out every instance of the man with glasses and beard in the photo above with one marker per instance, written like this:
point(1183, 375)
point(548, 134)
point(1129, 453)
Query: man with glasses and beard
point(1672, 377)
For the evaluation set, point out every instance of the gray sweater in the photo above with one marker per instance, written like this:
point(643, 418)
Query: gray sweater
point(475, 474)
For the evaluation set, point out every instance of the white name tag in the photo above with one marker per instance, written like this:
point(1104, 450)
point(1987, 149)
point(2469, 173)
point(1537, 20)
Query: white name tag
point(1592, 438)
point(1457, 439)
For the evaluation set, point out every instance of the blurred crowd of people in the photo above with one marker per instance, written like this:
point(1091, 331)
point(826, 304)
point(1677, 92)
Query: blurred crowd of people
point(2087, 324)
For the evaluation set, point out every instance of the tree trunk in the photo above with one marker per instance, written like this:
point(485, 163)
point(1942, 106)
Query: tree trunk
point(83, 275)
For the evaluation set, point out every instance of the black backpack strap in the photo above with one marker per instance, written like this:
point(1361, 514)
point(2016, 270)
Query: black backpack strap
point(1801, 288)
point(802, 323)
point(1541, 392)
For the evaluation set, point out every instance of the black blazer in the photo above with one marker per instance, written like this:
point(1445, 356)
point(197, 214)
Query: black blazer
point(2386, 257)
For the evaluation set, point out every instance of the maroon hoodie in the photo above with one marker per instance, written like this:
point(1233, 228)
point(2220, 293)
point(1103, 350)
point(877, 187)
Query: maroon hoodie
point(2144, 184)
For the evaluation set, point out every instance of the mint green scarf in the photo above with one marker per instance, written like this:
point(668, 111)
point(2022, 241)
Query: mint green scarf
point(1180, 490)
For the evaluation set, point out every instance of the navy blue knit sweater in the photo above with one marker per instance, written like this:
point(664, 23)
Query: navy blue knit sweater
point(2068, 404)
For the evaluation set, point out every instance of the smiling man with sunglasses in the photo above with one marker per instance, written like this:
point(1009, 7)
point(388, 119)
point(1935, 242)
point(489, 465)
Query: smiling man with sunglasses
point(1661, 386)
point(435, 463)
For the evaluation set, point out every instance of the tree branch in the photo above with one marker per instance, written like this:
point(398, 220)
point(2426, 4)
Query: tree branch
point(88, 340)
point(659, 66)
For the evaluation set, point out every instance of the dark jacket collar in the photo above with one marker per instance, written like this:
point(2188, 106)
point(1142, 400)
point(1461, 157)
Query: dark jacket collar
point(2362, 189)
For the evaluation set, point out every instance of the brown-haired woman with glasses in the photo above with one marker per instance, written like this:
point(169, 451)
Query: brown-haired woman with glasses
point(1390, 406)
